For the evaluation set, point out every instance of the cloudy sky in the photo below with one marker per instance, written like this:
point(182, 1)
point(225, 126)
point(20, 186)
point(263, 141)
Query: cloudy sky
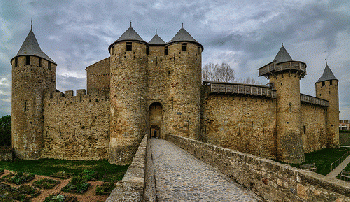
point(244, 34)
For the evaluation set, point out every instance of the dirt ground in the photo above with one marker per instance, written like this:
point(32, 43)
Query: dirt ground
point(88, 196)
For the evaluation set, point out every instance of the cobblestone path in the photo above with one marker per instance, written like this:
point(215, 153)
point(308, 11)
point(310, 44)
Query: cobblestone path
point(181, 177)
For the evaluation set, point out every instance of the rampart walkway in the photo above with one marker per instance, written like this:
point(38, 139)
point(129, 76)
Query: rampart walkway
point(181, 177)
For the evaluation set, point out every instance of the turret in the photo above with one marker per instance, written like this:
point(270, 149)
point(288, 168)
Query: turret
point(157, 84)
point(33, 74)
point(128, 90)
point(285, 74)
point(184, 73)
point(327, 88)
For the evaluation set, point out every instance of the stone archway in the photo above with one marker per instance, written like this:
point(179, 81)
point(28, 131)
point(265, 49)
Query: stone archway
point(155, 119)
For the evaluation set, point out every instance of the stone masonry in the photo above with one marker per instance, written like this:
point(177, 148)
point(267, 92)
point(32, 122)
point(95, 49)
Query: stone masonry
point(155, 88)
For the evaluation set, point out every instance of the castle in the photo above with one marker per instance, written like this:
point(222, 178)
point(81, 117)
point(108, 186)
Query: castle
point(155, 88)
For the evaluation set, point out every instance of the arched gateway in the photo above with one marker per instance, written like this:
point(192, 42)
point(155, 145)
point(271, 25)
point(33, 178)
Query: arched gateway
point(155, 119)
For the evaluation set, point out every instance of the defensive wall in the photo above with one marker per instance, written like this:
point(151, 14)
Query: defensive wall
point(133, 185)
point(243, 117)
point(76, 127)
point(270, 180)
point(98, 77)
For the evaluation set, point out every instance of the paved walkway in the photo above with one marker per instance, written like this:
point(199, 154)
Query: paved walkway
point(338, 169)
point(181, 177)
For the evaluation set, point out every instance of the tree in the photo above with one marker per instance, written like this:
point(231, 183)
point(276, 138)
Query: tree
point(5, 131)
point(218, 73)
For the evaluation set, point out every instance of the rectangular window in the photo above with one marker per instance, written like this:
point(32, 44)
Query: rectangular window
point(25, 105)
point(49, 65)
point(199, 50)
point(166, 51)
point(147, 50)
point(184, 47)
point(40, 62)
point(27, 60)
point(128, 46)
point(322, 83)
point(330, 82)
point(16, 62)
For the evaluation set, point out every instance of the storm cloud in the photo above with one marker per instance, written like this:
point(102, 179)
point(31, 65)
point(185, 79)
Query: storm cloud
point(244, 34)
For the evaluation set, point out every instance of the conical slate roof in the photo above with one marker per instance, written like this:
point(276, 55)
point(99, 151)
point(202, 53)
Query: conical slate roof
point(182, 35)
point(282, 56)
point(30, 46)
point(130, 34)
point(327, 75)
point(156, 40)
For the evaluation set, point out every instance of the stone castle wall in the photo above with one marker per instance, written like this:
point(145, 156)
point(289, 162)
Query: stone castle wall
point(243, 123)
point(329, 90)
point(128, 100)
point(313, 127)
point(98, 77)
point(29, 83)
point(76, 127)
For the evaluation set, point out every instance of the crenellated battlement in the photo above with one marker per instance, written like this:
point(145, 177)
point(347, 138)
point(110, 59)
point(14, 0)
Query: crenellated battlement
point(68, 97)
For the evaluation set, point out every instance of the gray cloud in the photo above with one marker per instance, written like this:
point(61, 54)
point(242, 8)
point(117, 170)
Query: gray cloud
point(245, 34)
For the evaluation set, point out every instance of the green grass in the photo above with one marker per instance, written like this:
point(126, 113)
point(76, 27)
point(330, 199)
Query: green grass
point(324, 158)
point(47, 167)
point(344, 138)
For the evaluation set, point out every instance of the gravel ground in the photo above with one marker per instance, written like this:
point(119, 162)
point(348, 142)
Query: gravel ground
point(181, 177)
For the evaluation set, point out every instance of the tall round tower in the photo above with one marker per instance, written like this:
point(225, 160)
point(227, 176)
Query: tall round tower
point(327, 88)
point(33, 74)
point(184, 56)
point(128, 90)
point(285, 74)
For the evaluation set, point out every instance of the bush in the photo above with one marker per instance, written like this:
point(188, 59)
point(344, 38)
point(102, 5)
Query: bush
point(18, 178)
point(62, 175)
point(23, 193)
point(5, 131)
point(60, 198)
point(105, 189)
point(90, 175)
point(45, 183)
point(76, 185)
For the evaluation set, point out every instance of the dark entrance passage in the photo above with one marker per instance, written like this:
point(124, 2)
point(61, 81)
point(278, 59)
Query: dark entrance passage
point(155, 119)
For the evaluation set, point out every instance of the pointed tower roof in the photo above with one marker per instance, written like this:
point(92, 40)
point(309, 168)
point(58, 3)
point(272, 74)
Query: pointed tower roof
point(130, 34)
point(282, 56)
point(183, 36)
point(30, 46)
point(156, 40)
point(327, 75)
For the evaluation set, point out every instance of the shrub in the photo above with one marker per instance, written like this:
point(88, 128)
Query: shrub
point(46, 183)
point(104, 189)
point(61, 174)
point(76, 185)
point(60, 198)
point(23, 193)
point(21, 178)
point(89, 175)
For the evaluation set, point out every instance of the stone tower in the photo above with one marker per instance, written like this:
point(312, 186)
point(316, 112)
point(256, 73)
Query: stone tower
point(285, 74)
point(184, 73)
point(33, 74)
point(157, 84)
point(128, 90)
point(327, 88)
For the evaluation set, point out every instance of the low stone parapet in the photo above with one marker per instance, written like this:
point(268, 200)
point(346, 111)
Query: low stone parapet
point(270, 180)
point(131, 187)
